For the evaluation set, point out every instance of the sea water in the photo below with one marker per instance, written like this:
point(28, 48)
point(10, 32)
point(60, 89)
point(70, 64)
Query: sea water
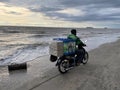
point(23, 47)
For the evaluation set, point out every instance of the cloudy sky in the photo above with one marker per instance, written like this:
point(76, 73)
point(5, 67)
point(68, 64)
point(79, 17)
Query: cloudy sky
point(61, 13)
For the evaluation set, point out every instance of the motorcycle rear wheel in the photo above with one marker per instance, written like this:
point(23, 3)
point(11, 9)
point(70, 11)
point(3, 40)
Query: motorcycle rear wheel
point(62, 67)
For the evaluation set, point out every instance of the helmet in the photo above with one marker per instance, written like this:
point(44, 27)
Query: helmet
point(73, 31)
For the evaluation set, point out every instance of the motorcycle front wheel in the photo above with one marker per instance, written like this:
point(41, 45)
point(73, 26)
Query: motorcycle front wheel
point(62, 66)
point(85, 59)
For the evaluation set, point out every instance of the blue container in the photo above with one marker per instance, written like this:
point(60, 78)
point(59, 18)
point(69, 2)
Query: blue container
point(69, 45)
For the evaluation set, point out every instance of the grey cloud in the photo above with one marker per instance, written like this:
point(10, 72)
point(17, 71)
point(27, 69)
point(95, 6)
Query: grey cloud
point(15, 13)
point(90, 16)
point(45, 9)
point(90, 7)
point(4, 0)
point(73, 3)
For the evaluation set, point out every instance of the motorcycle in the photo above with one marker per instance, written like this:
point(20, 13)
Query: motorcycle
point(67, 62)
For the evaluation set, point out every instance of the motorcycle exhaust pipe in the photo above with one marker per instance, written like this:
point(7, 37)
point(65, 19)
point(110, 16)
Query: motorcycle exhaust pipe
point(20, 66)
point(69, 68)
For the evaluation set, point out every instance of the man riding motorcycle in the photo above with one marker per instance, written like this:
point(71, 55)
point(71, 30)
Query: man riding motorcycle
point(80, 51)
point(67, 60)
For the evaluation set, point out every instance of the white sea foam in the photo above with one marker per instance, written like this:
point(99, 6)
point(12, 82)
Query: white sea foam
point(18, 48)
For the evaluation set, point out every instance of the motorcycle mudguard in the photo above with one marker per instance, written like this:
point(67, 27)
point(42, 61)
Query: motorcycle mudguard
point(58, 62)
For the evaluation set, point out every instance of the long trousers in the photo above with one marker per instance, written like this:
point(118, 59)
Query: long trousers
point(80, 54)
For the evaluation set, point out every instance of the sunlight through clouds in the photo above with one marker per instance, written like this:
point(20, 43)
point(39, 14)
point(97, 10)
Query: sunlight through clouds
point(72, 11)
point(16, 15)
point(13, 14)
point(65, 13)
point(13, 10)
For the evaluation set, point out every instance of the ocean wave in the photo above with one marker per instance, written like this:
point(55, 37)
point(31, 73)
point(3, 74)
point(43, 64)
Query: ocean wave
point(27, 47)
point(41, 35)
point(20, 54)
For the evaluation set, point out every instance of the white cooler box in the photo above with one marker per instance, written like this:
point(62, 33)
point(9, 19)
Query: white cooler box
point(62, 46)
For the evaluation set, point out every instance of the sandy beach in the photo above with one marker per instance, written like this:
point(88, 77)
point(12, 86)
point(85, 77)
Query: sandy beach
point(102, 72)
point(39, 41)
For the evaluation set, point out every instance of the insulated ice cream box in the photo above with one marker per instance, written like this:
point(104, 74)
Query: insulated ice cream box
point(62, 46)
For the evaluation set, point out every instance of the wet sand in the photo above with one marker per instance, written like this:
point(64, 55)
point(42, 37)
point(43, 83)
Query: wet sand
point(102, 72)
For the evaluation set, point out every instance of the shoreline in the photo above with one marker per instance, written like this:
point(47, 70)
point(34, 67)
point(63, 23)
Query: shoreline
point(35, 45)
point(89, 50)
point(101, 73)
point(102, 60)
